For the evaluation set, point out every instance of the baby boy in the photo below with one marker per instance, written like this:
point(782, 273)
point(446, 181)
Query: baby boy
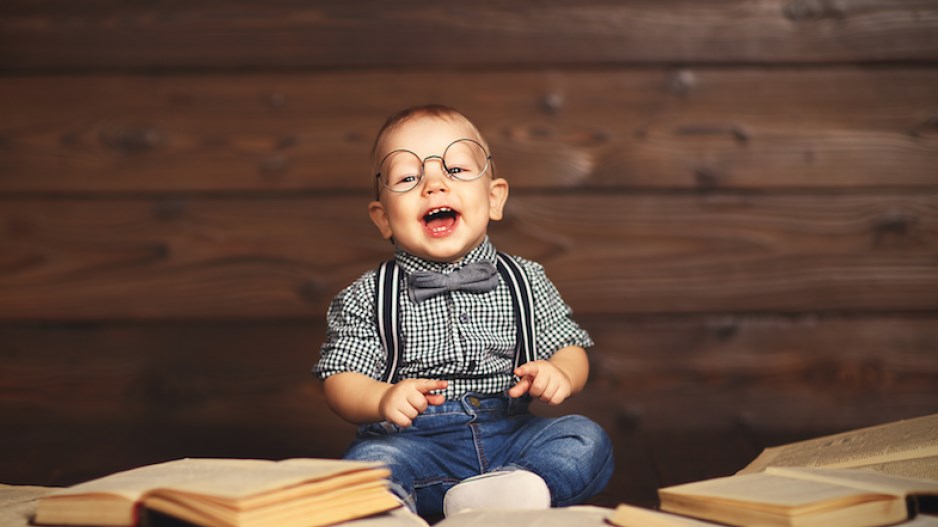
point(438, 353)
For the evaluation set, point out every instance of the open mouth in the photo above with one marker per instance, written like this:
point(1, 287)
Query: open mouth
point(440, 220)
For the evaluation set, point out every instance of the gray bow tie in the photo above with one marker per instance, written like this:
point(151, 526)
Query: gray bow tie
point(476, 277)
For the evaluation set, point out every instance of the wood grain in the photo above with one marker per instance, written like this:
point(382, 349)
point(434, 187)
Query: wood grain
point(269, 258)
point(682, 397)
point(739, 199)
point(700, 129)
point(57, 35)
point(766, 374)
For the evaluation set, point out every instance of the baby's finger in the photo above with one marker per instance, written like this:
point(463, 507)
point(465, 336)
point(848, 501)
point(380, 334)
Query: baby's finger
point(409, 411)
point(559, 397)
point(436, 399)
point(401, 420)
point(526, 369)
point(539, 385)
point(549, 393)
point(429, 385)
point(520, 388)
point(418, 403)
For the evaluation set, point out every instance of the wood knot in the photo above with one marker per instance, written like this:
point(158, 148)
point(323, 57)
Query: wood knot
point(287, 141)
point(21, 228)
point(923, 128)
point(276, 101)
point(706, 178)
point(131, 140)
point(799, 10)
point(552, 103)
point(69, 138)
point(169, 209)
point(725, 330)
point(893, 228)
point(274, 165)
point(737, 133)
point(629, 420)
point(548, 134)
point(311, 291)
point(356, 136)
point(681, 82)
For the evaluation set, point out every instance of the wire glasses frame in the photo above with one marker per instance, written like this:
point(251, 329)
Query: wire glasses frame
point(451, 172)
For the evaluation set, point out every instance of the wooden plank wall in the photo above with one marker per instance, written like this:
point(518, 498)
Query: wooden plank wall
point(739, 199)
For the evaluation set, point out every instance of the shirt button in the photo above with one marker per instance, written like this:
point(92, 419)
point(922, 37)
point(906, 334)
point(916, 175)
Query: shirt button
point(464, 317)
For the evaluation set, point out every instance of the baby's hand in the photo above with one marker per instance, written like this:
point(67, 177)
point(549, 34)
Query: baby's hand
point(542, 380)
point(409, 398)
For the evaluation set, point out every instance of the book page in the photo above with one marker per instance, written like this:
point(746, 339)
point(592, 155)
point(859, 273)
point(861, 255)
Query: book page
point(339, 505)
point(18, 503)
point(768, 492)
point(234, 479)
point(922, 468)
point(861, 479)
point(629, 516)
point(400, 517)
point(15, 494)
point(893, 442)
point(922, 520)
point(132, 484)
point(221, 477)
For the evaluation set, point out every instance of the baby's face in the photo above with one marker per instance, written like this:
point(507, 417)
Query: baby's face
point(442, 218)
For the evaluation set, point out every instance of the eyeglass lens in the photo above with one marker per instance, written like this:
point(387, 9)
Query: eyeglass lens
point(463, 159)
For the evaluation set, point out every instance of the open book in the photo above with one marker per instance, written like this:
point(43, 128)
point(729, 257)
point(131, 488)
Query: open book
point(903, 448)
point(803, 497)
point(631, 516)
point(765, 491)
point(227, 493)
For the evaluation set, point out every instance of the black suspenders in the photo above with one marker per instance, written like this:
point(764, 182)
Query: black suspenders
point(387, 302)
point(522, 301)
point(387, 294)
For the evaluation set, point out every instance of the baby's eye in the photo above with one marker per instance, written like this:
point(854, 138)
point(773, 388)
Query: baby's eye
point(461, 172)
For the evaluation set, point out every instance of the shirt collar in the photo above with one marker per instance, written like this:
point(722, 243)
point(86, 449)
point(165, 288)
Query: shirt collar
point(484, 252)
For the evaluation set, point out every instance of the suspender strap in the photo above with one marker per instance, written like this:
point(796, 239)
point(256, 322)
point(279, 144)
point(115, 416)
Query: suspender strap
point(387, 304)
point(522, 301)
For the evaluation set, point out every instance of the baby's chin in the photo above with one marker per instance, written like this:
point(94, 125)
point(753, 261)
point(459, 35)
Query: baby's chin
point(440, 251)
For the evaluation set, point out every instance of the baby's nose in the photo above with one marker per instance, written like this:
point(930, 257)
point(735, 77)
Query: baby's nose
point(435, 177)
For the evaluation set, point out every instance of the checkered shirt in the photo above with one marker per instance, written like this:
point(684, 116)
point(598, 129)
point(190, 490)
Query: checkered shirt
point(465, 338)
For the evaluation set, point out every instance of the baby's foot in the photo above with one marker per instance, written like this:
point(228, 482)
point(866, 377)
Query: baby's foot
point(501, 489)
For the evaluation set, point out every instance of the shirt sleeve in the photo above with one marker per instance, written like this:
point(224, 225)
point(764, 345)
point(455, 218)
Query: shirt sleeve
point(554, 322)
point(352, 342)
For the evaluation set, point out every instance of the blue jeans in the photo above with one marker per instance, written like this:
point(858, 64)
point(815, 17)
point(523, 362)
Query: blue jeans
point(478, 434)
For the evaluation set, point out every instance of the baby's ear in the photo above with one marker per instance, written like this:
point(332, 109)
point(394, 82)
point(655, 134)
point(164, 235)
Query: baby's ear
point(379, 217)
point(498, 195)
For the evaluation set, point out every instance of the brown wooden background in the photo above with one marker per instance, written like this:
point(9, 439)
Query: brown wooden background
point(738, 198)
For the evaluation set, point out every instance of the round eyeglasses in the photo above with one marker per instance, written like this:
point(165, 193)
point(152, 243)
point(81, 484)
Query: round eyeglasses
point(463, 160)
